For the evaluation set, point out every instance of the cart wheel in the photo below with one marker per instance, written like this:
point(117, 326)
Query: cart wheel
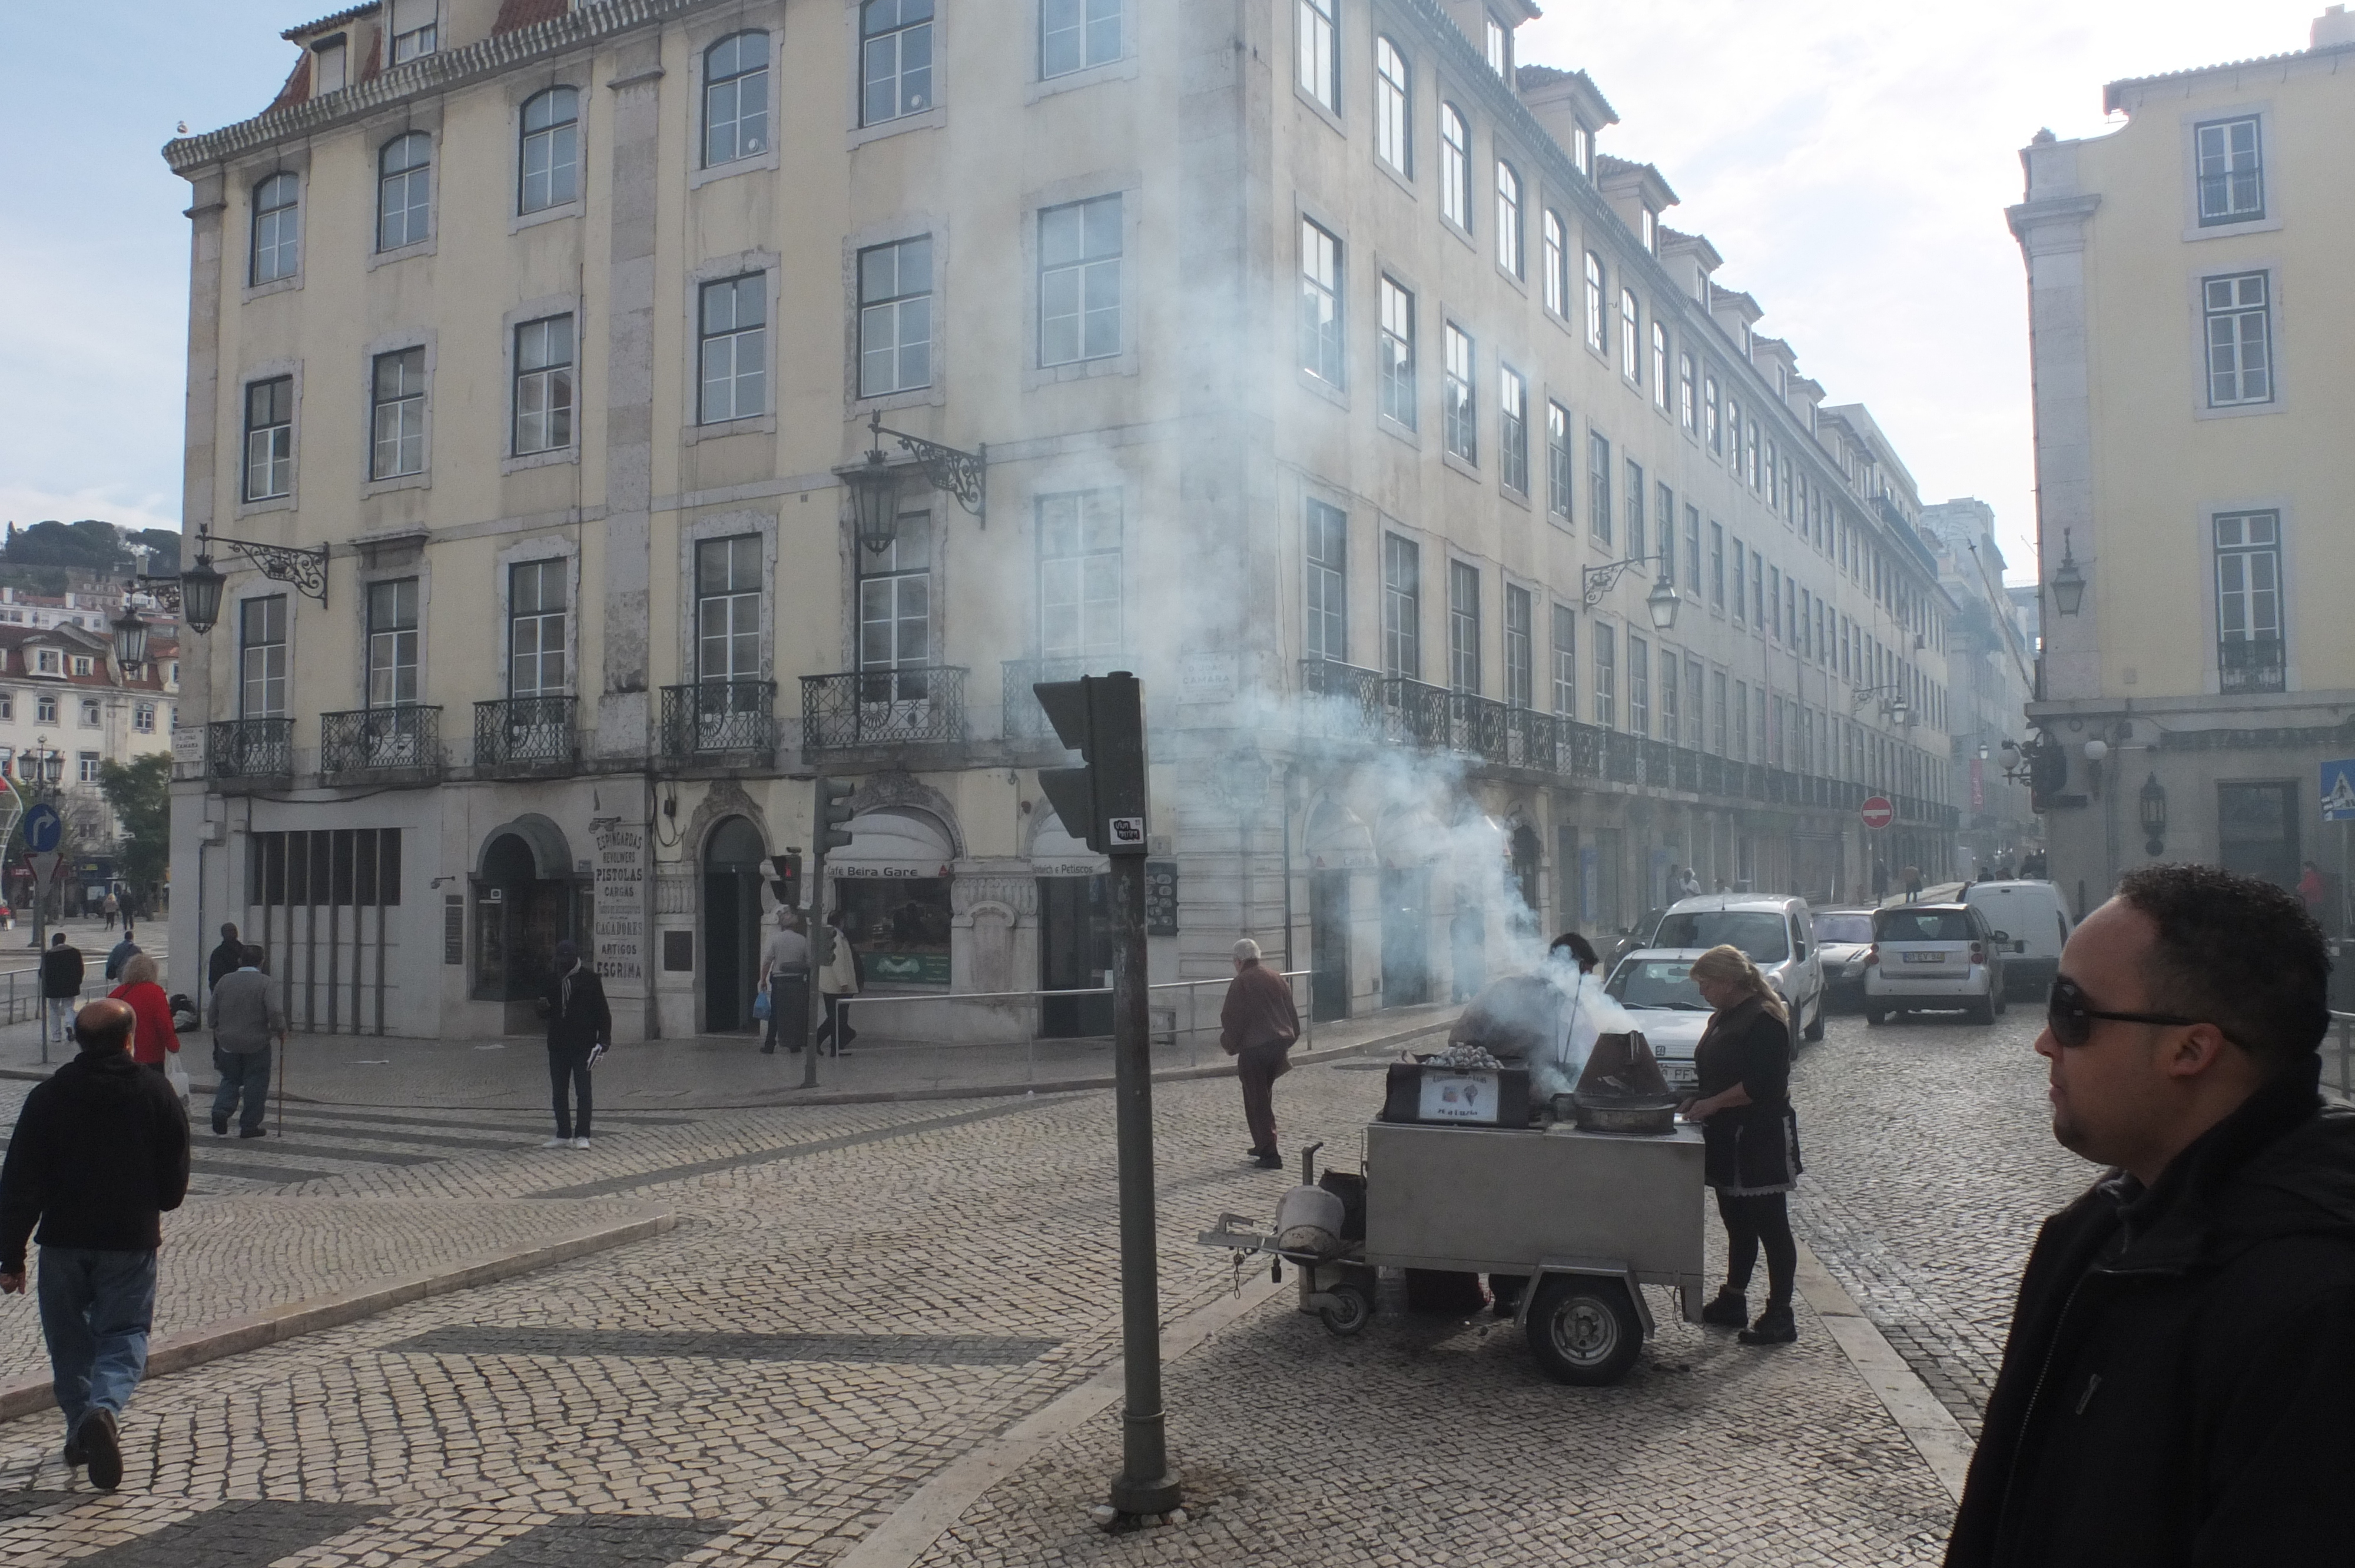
point(1349, 1313)
point(1874, 1016)
point(1583, 1330)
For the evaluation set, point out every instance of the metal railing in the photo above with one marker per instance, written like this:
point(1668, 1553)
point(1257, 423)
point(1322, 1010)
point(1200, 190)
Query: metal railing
point(526, 733)
point(368, 741)
point(1022, 716)
point(2251, 664)
point(737, 716)
point(251, 748)
point(883, 707)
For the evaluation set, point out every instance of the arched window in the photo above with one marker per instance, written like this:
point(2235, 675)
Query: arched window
point(276, 246)
point(1594, 304)
point(404, 190)
point(1393, 107)
point(735, 99)
point(1508, 219)
point(551, 151)
point(1556, 266)
point(1659, 365)
point(1454, 168)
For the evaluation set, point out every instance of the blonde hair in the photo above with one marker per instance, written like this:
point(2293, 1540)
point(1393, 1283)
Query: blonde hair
point(138, 970)
point(1732, 966)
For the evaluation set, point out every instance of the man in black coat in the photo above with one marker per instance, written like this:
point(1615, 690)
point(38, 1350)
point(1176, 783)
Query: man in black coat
point(61, 986)
point(2182, 1362)
point(226, 959)
point(580, 1028)
point(100, 1151)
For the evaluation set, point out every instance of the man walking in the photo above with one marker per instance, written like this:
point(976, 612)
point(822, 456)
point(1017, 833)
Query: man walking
point(226, 959)
point(101, 1150)
point(120, 953)
point(1257, 1026)
point(61, 986)
point(579, 1029)
point(2182, 1353)
point(110, 908)
point(784, 970)
point(839, 980)
point(245, 1018)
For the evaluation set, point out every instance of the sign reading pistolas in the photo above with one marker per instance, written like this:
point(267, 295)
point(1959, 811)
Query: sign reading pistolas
point(618, 879)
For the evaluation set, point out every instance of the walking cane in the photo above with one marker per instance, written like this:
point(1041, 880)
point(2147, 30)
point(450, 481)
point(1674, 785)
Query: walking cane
point(285, 1060)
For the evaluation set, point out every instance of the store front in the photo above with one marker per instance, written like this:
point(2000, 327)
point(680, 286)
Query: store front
point(527, 899)
point(1076, 934)
point(892, 886)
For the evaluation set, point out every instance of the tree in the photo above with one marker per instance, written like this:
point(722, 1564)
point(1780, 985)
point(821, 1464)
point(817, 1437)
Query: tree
point(141, 794)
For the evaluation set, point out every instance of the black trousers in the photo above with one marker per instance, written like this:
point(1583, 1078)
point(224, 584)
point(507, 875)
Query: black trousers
point(836, 1027)
point(788, 1012)
point(567, 1078)
point(1763, 1219)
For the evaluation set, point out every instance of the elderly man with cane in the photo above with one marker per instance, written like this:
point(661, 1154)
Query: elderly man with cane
point(1257, 1026)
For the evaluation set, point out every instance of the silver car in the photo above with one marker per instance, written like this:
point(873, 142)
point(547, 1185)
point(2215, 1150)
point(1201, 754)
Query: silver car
point(1843, 937)
point(1933, 957)
point(1778, 933)
point(1656, 986)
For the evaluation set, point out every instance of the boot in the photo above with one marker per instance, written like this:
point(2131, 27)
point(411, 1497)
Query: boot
point(1730, 1310)
point(1775, 1326)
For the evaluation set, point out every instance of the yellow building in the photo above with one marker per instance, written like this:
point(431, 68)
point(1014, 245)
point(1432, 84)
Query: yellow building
point(2194, 381)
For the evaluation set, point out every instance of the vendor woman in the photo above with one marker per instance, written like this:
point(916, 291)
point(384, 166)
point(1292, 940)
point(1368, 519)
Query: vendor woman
point(1753, 1136)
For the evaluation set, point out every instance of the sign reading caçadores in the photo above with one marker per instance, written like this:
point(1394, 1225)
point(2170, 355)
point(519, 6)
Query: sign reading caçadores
point(618, 881)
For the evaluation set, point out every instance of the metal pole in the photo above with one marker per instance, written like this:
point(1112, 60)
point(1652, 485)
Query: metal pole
point(1145, 1484)
point(815, 896)
point(41, 946)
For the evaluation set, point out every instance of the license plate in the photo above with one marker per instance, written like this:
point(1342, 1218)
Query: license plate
point(1925, 957)
point(1681, 1074)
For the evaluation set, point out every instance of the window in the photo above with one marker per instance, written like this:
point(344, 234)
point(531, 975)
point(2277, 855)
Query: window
point(1320, 53)
point(2240, 340)
point(414, 30)
point(1455, 165)
point(1692, 703)
point(1750, 451)
point(1717, 710)
point(551, 164)
point(1774, 620)
point(1326, 633)
point(1639, 685)
point(2231, 171)
point(1513, 431)
point(1741, 593)
point(1320, 304)
point(89, 766)
point(536, 627)
point(1631, 360)
point(1606, 676)
point(1714, 431)
point(393, 642)
point(1079, 574)
point(1636, 533)
point(262, 659)
point(895, 59)
point(397, 421)
point(1659, 367)
point(1561, 478)
point(50, 662)
point(1401, 608)
point(1741, 720)
point(1687, 405)
point(1500, 48)
point(330, 65)
point(732, 349)
point(2249, 602)
point(1692, 549)
point(543, 385)
point(1079, 281)
point(1462, 419)
point(1074, 35)
point(1594, 304)
point(89, 709)
point(82, 664)
point(735, 99)
point(895, 609)
point(1393, 108)
point(269, 437)
point(1463, 626)
point(404, 190)
point(1556, 262)
point(277, 238)
point(895, 317)
point(1581, 148)
point(1757, 591)
point(1519, 653)
point(1598, 485)
point(1565, 661)
point(143, 717)
point(1397, 346)
point(1664, 513)
point(45, 710)
point(1671, 723)
point(1509, 220)
point(728, 609)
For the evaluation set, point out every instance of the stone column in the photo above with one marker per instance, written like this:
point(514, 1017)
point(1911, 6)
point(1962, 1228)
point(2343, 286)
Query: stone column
point(623, 714)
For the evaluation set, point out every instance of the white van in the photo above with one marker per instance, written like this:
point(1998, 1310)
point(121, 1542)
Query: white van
point(2035, 919)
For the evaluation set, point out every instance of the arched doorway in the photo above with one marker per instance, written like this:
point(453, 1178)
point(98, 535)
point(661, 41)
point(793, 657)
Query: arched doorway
point(731, 924)
point(527, 899)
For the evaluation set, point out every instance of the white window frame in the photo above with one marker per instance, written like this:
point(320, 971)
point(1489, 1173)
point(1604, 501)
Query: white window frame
point(1086, 18)
point(1317, 45)
point(1393, 107)
point(1458, 400)
point(1395, 346)
point(415, 205)
point(900, 311)
point(2214, 158)
point(557, 145)
point(907, 101)
point(739, 335)
point(1323, 334)
point(2237, 313)
point(1511, 254)
point(1455, 167)
point(1089, 267)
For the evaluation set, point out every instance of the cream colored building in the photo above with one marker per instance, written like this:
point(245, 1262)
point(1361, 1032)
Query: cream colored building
point(2194, 370)
point(1315, 353)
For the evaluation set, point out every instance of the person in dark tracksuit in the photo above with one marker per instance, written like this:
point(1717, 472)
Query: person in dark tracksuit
point(580, 1028)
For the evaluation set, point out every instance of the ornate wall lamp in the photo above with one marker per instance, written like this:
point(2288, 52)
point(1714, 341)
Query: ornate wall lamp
point(1662, 602)
point(2153, 816)
point(196, 593)
point(875, 485)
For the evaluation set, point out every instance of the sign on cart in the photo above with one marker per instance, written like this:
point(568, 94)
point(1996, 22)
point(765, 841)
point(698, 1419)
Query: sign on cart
point(1878, 813)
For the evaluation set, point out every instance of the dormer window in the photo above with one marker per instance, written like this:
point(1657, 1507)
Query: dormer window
point(1500, 48)
point(1651, 231)
point(1581, 148)
point(415, 29)
point(47, 662)
point(328, 69)
point(82, 665)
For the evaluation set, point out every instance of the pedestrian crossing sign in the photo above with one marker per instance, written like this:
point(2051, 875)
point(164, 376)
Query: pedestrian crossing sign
point(2338, 791)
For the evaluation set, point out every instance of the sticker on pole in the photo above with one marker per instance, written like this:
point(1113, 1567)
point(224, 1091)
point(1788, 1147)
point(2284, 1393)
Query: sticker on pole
point(2338, 791)
point(44, 829)
point(1127, 834)
point(1878, 813)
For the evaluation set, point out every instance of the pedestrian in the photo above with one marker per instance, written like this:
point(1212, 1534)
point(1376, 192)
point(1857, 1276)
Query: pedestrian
point(1689, 886)
point(101, 1152)
point(1752, 1158)
point(120, 953)
point(109, 908)
point(246, 1018)
point(2312, 891)
point(2181, 1357)
point(226, 959)
point(1880, 879)
point(61, 974)
point(1913, 882)
point(784, 970)
point(579, 1029)
point(1257, 1025)
point(1986, 874)
point(839, 980)
point(156, 1039)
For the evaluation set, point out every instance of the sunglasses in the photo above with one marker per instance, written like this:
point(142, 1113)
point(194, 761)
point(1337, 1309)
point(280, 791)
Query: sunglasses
point(2070, 1017)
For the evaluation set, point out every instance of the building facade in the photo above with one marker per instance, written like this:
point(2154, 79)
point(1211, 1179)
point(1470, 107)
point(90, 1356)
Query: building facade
point(2192, 375)
point(1312, 361)
point(1990, 669)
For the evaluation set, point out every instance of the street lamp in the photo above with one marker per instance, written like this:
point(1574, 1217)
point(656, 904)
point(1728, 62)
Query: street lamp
point(199, 585)
point(875, 487)
point(130, 638)
point(2068, 583)
point(2153, 816)
point(1662, 602)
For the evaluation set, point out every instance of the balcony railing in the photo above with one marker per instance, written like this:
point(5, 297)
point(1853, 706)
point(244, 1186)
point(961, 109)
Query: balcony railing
point(1022, 717)
point(906, 707)
point(372, 742)
point(251, 748)
point(2255, 664)
point(524, 734)
point(713, 717)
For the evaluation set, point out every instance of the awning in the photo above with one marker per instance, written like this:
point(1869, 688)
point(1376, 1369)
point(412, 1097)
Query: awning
point(901, 845)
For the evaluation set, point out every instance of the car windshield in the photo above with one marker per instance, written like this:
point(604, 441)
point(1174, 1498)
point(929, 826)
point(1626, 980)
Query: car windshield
point(1658, 982)
point(1921, 926)
point(1757, 932)
point(1843, 927)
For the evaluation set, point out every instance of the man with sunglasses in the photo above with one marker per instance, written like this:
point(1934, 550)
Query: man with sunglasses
point(2178, 1384)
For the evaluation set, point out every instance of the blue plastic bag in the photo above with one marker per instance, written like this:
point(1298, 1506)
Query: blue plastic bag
point(761, 1005)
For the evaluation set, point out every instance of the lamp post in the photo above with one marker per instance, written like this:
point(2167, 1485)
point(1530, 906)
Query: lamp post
point(2153, 816)
point(874, 485)
point(2068, 583)
point(199, 587)
point(130, 638)
point(1662, 603)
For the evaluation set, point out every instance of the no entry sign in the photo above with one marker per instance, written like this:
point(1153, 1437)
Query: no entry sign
point(1878, 813)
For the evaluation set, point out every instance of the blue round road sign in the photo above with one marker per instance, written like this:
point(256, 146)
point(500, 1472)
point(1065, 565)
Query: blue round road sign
point(44, 829)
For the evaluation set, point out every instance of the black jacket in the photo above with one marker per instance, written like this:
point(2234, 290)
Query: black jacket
point(1752, 1148)
point(101, 1149)
point(586, 1021)
point(226, 959)
point(62, 971)
point(2181, 1363)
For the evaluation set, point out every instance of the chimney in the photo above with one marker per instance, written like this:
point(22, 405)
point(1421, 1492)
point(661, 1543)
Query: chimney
point(2333, 28)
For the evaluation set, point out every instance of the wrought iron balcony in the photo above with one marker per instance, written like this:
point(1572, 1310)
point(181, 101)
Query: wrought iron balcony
point(719, 717)
point(251, 748)
point(527, 734)
point(2254, 664)
point(907, 706)
point(1023, 718)
point(375, 742)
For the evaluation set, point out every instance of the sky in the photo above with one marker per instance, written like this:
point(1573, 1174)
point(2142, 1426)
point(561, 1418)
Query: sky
point(1850, 159)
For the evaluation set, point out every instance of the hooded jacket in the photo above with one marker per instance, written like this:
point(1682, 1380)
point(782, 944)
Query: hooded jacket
point(575, 1007)
point(101, 1150)
point(2182, 1362)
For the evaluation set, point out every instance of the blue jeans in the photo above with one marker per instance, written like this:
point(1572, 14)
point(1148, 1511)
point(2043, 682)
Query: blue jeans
point(96, 1310)
point(248, 1071)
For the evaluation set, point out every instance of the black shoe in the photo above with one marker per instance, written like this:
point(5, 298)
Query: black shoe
point(1269, 1162)
point(220, 1126)
point(1730, 1310)
point(73, 1455)
point(768, 1050)
point(1775, 1326)
point(100, 1451)
point(253, 1132)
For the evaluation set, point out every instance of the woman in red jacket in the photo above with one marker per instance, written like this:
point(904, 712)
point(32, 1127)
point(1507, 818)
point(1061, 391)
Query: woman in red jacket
point(154, 1034)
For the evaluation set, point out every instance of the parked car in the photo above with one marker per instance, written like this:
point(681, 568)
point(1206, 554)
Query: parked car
point(1656, 985)
point(1639, 935)
point(2036, 918)
point(1843, 937)
point(1932, 958)
point(1778, 933)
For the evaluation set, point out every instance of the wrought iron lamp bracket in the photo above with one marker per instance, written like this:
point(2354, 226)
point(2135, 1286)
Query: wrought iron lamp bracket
point(1598, 581)
point(306, 570)
point(964, 474)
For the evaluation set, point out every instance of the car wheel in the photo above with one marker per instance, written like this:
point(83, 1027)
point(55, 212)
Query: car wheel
point(1874, 1016)
point(1814, 1030)
point(2002, 998)
point(1981, 1012)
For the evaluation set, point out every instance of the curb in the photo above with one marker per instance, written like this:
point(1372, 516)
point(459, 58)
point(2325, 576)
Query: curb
point(1928, 1425)
point(234, 1336)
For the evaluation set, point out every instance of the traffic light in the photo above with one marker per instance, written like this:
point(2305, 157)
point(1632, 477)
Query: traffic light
point(1102, 717)
point(834, 813)
point(787, 884)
